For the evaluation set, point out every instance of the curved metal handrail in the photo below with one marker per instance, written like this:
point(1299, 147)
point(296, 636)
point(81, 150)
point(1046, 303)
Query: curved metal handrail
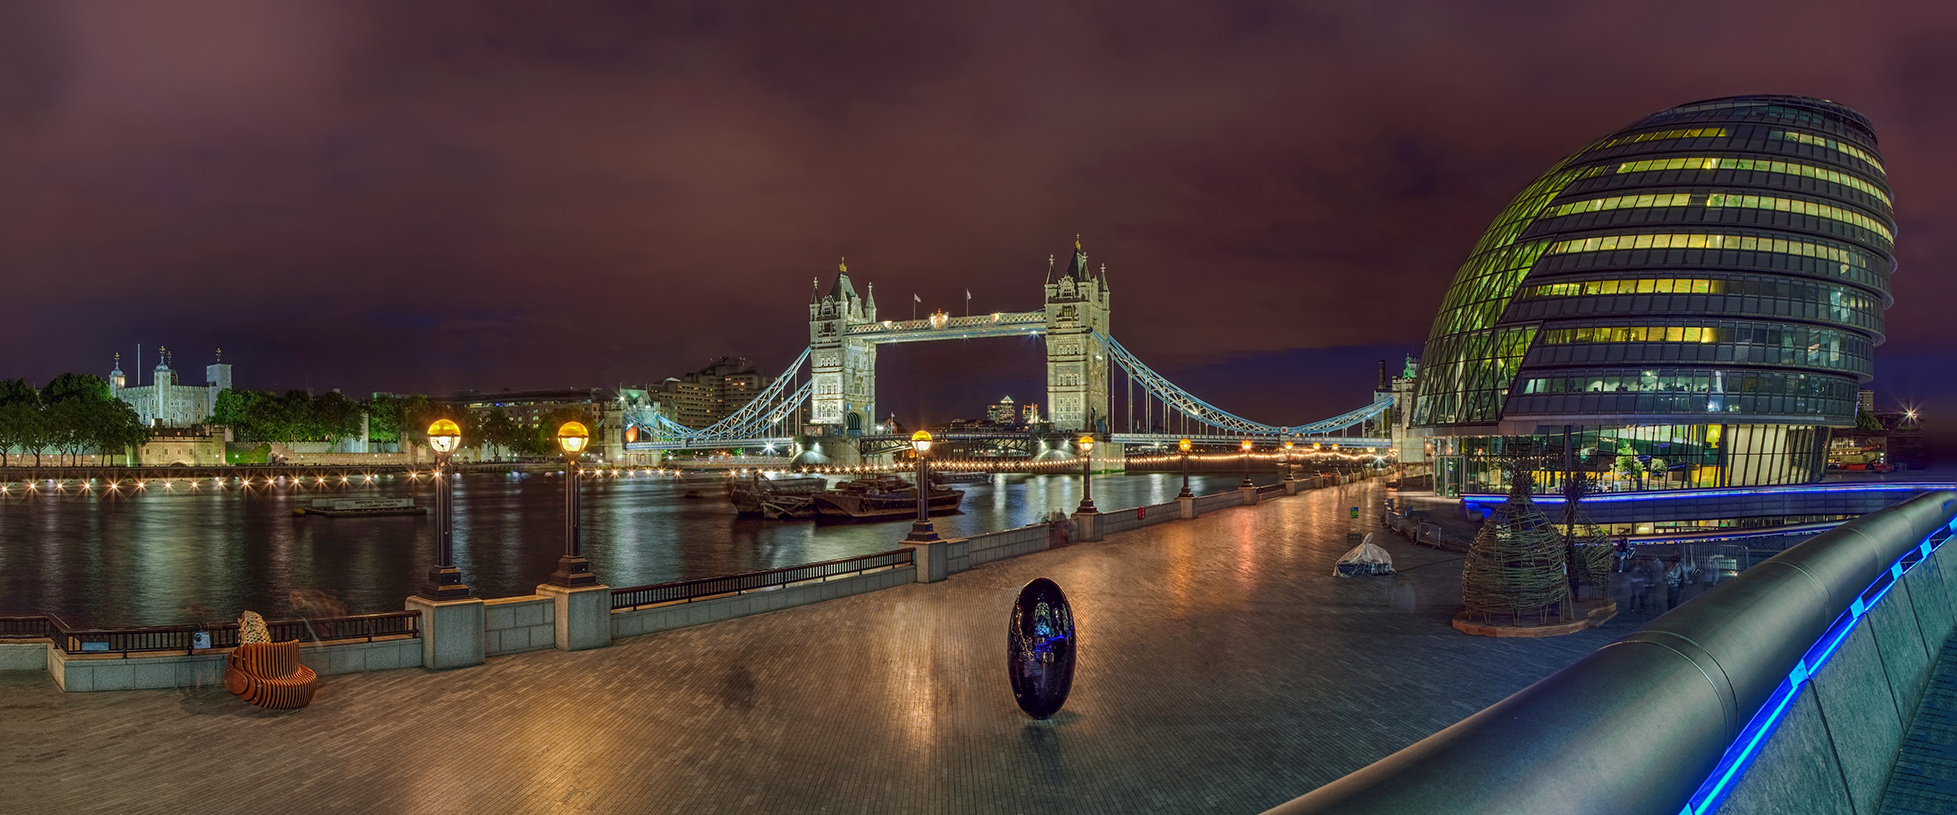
point(1640, 724)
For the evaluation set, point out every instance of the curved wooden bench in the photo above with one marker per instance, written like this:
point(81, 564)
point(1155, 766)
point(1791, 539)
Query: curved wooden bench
point(269, 675)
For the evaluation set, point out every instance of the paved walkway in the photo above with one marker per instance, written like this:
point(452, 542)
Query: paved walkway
point(1222, 669)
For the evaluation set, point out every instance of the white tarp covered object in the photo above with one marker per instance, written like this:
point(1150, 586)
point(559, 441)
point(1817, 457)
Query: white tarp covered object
point(1364, 559)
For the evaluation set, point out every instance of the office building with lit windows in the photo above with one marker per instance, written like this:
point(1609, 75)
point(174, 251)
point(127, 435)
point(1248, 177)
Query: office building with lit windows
point(1691, 302)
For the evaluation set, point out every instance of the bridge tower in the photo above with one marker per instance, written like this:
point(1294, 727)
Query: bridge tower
point(1076, 360)
point(843, 370)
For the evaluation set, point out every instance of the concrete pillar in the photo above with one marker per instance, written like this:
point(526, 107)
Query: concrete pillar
point(1290, 486)
point(451, 632)
point(1188, 507)
point(1249, 495)
point(930, 557)
point(584, 615)
point(1087, 526)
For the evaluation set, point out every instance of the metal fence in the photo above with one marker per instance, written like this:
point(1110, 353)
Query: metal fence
point(690, 590)
point(360, 627)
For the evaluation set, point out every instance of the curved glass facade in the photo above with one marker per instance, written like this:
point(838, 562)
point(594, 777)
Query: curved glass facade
point(1723, 263)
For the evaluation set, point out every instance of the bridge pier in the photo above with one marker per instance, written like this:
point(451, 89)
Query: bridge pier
point(826, 451)
point(1108, 457)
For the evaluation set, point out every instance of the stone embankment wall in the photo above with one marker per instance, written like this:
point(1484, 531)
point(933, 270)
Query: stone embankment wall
point(513, 625)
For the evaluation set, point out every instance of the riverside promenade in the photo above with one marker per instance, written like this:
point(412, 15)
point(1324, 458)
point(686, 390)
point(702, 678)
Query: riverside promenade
point(1222, 669)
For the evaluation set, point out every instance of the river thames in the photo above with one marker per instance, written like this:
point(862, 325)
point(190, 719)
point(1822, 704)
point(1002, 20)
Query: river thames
point(173, 552)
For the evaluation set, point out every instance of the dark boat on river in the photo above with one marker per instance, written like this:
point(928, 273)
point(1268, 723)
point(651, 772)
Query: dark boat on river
point(882, 498)
point(776, 498)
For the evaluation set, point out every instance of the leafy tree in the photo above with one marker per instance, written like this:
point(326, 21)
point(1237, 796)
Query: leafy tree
point(114, 425)
point(335, 416)
point(234, 410)
point(17, 391)
point(75, 387)
point(16, 420)
point(1867, 422)
point(383, 418)
point(1629, 464)
point(497, 429)
point(30, 428)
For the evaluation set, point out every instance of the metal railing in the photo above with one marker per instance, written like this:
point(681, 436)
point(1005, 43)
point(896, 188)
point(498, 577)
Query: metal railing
point(362, 627)
point(1658, 716)
point(37, 627)
point(690, 590)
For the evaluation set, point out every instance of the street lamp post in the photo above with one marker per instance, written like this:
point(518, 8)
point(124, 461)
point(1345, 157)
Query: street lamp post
point(1184, 447)
point(1246, 484)
point(921, 529)
point(444, 580)
point(1290, 474)
point(572, 569)
point(1086, 475)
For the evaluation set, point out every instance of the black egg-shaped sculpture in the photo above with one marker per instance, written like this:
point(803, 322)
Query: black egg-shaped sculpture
point(1040, 646)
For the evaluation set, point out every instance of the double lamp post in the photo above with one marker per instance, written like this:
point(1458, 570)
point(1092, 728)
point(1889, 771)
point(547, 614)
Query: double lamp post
point(444, 579)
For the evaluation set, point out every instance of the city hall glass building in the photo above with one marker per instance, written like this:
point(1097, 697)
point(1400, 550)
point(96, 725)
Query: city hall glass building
point(1691, 301)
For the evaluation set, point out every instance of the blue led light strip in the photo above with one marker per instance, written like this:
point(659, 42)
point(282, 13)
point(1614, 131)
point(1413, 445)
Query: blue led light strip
point(1656, 495)
point(1713, 792)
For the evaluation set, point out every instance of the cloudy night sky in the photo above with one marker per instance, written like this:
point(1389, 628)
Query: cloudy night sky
point(435, 196)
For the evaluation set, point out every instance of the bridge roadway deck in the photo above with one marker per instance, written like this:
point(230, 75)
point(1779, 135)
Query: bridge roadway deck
point(1223, 669)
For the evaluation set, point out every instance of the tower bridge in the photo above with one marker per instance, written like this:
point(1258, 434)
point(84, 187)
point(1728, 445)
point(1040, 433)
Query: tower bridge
point(826, 398)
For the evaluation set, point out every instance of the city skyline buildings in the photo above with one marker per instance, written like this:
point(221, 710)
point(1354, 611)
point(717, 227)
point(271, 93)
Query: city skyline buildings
point(1248, 238)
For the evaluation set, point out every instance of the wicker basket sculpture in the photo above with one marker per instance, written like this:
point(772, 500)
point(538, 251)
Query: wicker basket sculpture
point(1516, 564)
point(1586, 548)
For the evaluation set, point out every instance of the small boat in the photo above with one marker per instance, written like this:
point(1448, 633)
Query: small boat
point(362, 507)
point(882, 498)
point(961, 478)
point(776, 498)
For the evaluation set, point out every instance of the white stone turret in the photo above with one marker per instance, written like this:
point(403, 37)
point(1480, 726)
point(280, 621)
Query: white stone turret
point(1076, 358)
point(842, 369)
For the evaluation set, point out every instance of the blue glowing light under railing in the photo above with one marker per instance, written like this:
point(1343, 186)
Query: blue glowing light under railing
point(1660, 495)
point(1713, 792)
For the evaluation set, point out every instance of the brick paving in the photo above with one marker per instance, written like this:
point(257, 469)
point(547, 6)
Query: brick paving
point(1222, 669)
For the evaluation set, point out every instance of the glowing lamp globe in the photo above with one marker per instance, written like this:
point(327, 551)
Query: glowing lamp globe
point(1287, 447)
point(1087, 444)
point(443, 436)
point(1246, 445)
point(921, 441)
point(1184, 445)
point(573, 437)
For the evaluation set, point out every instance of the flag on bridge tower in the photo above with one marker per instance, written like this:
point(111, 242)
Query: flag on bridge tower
point(968, 302)
point(914, 301)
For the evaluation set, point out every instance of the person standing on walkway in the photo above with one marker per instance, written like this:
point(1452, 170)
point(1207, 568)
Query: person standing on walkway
point(1674, 580)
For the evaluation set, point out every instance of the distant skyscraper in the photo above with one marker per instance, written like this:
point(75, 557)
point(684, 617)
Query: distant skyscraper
point(1002, 412)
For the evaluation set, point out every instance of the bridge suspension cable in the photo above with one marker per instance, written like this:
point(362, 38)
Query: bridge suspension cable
point(1156, 387)
point(768, 414)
